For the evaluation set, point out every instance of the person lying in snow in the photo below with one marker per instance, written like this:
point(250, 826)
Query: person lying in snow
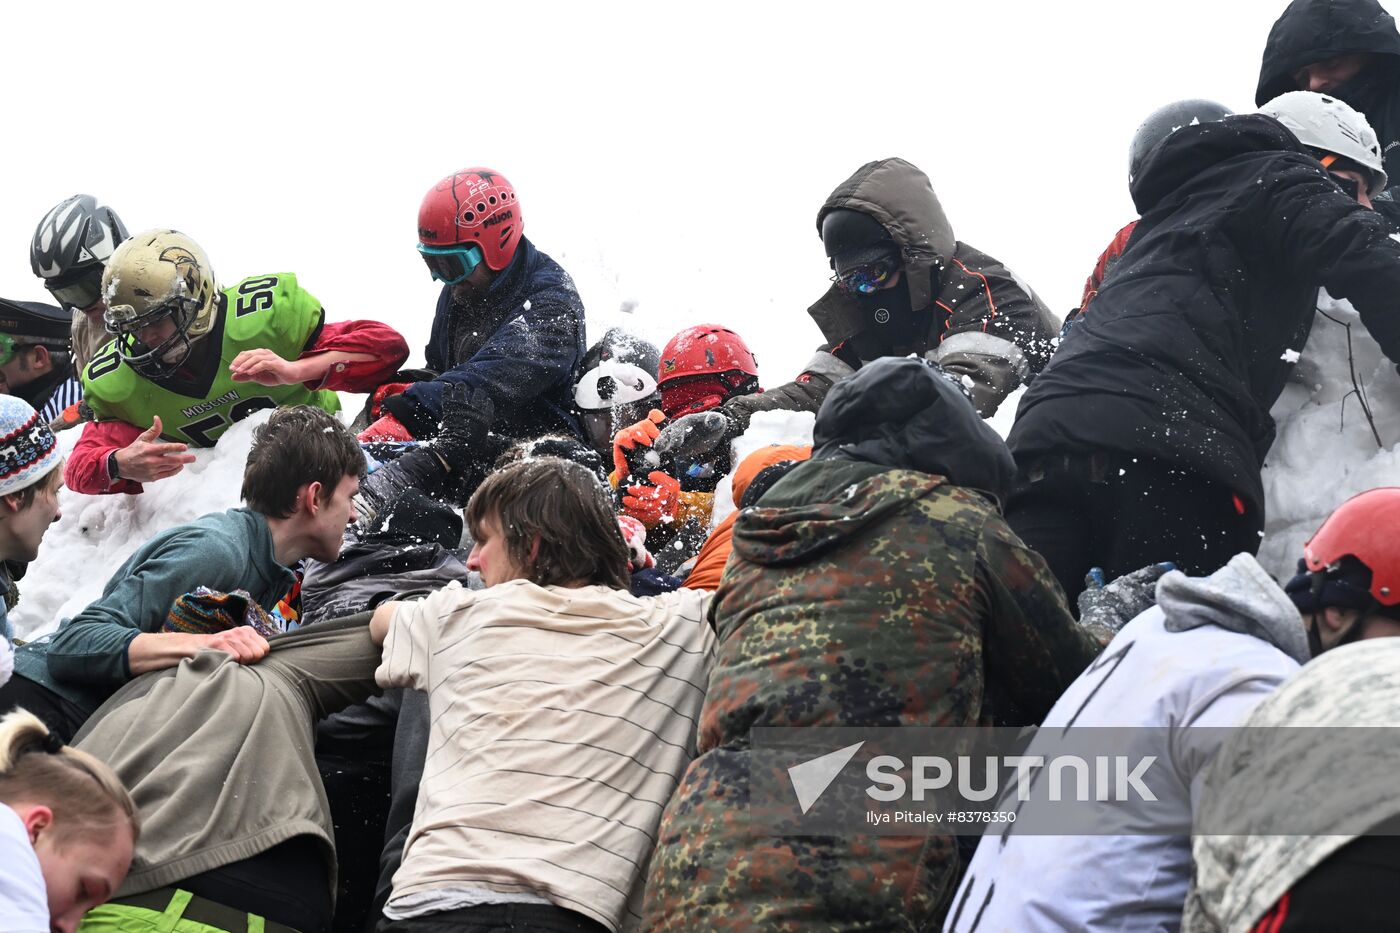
point(303, 470)
point(509, 319)
point(190, 358)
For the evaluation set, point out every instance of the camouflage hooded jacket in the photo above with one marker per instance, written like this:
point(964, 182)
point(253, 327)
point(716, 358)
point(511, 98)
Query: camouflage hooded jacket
point(856, 595)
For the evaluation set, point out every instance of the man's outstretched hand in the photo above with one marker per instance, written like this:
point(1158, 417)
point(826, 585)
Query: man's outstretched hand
point(148, 458)
point(267, 368)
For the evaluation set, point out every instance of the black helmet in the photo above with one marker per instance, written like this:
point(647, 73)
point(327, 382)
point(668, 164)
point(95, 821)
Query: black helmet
point(78, 232)
point(1164, 121)
point(855, 237)
point(70, 247)
point(623, 347)
point(617, 387)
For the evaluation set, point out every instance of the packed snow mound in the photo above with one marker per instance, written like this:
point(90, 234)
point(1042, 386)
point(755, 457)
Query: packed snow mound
point(97, 533)
point(1005, 416)
point(766, 428)
point(1326, 451)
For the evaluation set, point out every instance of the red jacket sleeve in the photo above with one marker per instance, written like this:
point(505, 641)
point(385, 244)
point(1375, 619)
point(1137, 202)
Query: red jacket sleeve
point(1106, 261)
point(385, 344)
point(86, 471)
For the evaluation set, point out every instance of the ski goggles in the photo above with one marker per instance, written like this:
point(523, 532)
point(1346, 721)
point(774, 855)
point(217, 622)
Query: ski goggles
point(867, 277)
point(82, 291)
point(451, 264)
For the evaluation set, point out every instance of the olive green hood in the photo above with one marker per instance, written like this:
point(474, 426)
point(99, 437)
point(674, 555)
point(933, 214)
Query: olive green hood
point(898, 195)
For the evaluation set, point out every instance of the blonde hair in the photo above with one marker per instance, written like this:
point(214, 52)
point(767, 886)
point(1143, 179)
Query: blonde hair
point(83, 792)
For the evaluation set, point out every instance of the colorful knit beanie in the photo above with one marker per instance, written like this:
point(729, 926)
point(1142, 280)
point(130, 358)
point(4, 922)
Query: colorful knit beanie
point(28, 450)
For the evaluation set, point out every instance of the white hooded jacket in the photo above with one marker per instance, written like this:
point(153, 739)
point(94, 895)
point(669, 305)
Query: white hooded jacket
point(1211, 649)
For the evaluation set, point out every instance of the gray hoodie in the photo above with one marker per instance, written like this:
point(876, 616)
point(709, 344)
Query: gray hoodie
point(1210, 650)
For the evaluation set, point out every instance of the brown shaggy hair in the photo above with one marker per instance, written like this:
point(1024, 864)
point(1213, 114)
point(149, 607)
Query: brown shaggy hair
point(561, 513)
point(297, 446)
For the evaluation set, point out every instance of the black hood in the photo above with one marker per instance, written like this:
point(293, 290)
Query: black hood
point(1315, 30)
point(1192, 149)
point(903, 413)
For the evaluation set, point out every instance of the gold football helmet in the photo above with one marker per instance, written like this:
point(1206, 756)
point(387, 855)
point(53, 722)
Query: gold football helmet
point(152, 276)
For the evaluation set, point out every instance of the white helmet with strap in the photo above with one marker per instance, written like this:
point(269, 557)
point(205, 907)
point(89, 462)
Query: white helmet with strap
point(1323, 122)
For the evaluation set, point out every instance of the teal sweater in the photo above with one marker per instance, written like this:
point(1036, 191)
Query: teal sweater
point(85, 660)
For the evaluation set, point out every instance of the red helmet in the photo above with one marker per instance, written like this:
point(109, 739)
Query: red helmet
point(475, 205)
point(1363, 527)
point(705, 350)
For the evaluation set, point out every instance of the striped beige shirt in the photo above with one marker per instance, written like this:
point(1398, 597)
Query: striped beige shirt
point(561, 721)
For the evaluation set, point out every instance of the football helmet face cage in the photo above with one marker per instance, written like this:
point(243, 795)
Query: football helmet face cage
point(161, 294)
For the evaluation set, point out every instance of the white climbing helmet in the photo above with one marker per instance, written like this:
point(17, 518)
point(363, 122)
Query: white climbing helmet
point(1323, 122)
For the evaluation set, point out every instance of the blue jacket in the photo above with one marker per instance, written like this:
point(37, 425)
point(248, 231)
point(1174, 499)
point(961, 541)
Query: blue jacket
point(521, 341)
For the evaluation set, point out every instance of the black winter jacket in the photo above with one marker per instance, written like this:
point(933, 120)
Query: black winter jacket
point(1312, 31)
point(521, 341)
point(958, 306)
point(1185, 349)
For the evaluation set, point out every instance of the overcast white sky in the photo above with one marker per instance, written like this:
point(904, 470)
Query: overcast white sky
point(669, 154)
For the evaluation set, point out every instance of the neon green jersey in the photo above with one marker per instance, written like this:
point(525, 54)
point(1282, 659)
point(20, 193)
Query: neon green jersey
point(198, 404)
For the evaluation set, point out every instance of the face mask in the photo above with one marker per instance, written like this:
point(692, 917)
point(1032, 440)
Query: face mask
point(885, 305)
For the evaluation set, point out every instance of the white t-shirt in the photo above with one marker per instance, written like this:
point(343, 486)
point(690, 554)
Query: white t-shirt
point(561, 722)
point(24, 900)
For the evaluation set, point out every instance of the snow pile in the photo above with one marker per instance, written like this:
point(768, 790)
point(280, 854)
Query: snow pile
point(765, 429)
point(97, 533)
point(1326, 451)
point(1005, 415)
point(795, 427)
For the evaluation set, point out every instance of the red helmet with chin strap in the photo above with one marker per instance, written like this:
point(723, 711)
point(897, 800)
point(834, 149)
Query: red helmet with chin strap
point(473, 206)
point(1363, 527)
point(705, 350)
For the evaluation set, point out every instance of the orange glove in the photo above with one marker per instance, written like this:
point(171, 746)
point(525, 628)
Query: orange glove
point(70, 417)
point(655, 504)
point(376, 401)
point(629, 438)
point(387, 428)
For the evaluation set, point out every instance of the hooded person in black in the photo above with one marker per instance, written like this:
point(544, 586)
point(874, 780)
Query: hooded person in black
point(1143, 439)
point(1347, 48)
point(904, 285)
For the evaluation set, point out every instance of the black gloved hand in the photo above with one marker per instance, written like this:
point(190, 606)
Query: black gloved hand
point(691, 437)
point(466, 418)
